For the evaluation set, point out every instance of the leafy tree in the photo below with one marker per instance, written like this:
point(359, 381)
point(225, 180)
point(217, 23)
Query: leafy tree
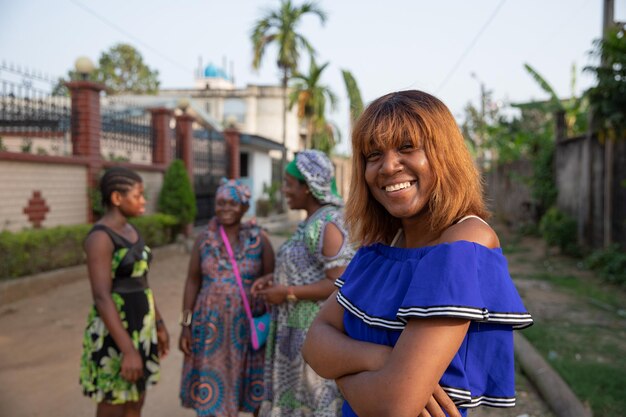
point(176, 196)
point(122, 70)
point(503, 139)
point(312, 97)
point(354, 95)
point(608, 97)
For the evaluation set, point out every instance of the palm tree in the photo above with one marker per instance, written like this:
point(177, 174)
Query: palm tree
point(312, 98)
point(279, 27)
point(354, 95)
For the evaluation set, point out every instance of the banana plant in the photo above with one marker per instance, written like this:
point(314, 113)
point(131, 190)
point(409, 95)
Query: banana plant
point(574, 108)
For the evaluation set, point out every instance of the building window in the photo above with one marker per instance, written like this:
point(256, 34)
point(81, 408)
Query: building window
point(243, 164)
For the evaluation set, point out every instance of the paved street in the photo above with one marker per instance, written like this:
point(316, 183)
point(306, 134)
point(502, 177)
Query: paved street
point(40, 346)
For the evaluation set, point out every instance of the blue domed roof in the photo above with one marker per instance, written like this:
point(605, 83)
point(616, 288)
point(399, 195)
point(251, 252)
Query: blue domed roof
point(211, 71)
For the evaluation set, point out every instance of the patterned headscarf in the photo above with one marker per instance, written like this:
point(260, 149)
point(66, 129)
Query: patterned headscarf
point(317, 171)
point(234, 190)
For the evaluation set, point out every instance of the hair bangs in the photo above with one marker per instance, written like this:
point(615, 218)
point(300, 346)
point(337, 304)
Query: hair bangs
point(391, 129)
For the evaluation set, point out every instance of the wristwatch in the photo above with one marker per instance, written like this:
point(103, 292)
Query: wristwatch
point(290, 295)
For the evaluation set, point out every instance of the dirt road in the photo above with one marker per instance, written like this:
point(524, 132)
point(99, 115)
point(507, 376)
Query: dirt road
point(40, 346)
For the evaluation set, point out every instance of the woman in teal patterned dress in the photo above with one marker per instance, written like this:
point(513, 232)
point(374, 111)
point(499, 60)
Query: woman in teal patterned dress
point(125, 335)
point(306, 267)
point(222, 374)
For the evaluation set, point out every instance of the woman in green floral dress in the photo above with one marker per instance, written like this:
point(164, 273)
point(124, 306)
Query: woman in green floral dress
point(125, 335)
point(307, 265)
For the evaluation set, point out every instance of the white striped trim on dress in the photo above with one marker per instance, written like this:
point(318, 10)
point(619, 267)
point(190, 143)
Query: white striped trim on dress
point(516, 320)
point(372, 321)
point(339, 283)
point(463, 398)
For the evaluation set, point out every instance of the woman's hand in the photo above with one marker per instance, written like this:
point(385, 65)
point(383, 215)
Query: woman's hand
point(262, 283)
point(132, 365)
point(163, 340)
point(184, 341)
point(438, 402)
point(275, 294)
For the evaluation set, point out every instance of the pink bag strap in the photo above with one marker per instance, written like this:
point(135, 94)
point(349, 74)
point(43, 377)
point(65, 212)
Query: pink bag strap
point(246, 305)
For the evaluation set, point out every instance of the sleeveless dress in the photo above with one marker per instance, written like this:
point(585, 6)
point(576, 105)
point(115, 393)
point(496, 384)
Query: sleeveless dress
point(101, 358)
point(224, 374)
point(294, 389)
point(384, 287)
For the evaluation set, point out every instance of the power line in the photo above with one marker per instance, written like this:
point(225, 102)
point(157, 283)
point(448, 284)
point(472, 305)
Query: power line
point(131, 36)
point(471, 45)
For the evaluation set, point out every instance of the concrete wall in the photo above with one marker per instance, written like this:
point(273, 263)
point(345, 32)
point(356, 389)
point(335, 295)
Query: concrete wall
point(269, 119)
point(579, 167)
point(508, 196)
point(343, 174)
point(62, 186)
point(580, 175)
point(260, 170)
point(152, 183)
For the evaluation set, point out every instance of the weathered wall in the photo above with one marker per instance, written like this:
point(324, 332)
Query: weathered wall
point(508, 195)
point(579, 167)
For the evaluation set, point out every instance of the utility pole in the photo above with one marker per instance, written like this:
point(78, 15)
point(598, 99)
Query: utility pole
point(607, 24)
point(481, 128)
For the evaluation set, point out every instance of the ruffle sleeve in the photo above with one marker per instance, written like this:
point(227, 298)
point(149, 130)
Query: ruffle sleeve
point(465, 280)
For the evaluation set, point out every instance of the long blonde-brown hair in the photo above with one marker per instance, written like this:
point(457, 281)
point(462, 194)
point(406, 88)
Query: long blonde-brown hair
point(425, 121)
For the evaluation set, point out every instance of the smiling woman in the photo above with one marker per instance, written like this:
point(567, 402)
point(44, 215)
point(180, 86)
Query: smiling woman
point(425, 311)
point(307, 265)
point(222, 374)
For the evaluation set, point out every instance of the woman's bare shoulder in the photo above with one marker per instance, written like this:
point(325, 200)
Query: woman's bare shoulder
point(471, 230)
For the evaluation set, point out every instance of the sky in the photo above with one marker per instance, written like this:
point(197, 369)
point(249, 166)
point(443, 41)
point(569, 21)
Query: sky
point(445, 47)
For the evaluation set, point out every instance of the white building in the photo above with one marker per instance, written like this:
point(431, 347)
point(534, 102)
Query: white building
point(256, 111)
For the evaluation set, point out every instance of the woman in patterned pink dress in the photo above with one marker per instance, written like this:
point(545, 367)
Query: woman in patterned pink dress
point(222, 374)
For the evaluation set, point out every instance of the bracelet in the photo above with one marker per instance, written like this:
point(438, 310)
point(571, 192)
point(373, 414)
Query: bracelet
point(290, 294)
point(185, 318)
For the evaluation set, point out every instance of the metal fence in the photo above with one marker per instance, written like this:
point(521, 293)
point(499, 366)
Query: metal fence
point(126, 131)
point(32, 118)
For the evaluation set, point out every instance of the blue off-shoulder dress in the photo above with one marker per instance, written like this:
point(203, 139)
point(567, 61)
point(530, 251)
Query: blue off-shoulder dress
point(384, 287)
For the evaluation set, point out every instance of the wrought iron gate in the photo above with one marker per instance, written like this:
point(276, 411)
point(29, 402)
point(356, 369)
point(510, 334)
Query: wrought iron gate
point(209, 165)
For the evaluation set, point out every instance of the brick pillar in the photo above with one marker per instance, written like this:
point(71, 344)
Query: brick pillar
point(86, 129)
point(232, 148)
point(161, 135)
point(184, 142)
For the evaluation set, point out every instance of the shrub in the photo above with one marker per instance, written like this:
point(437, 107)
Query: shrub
point(157, 229)
point(37, 250)
point(270, 202)
point(263, 207)
point(176, 196)
point(610, 262)
point(559, 229)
